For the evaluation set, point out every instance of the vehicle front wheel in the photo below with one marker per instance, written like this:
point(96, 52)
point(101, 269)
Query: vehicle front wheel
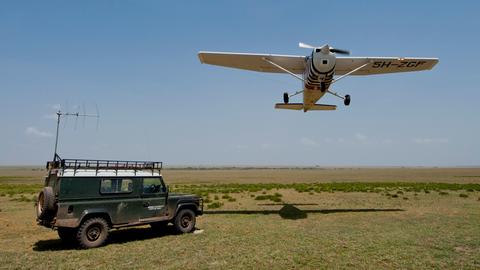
point(92, 233)
point(185, 221)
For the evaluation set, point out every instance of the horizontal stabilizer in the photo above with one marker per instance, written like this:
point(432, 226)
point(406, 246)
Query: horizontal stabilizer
point(289, 106)
point(299, 106)
point(322, 107)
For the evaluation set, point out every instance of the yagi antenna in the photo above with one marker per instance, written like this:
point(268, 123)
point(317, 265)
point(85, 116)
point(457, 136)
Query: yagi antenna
point(68, 114)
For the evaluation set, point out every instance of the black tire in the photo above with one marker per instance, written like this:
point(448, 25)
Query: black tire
point(92, 233)
point(185, 221)
point(68, 235)
point(161, 225)
point(285, 98)
point(346, 101)
point(45, 205)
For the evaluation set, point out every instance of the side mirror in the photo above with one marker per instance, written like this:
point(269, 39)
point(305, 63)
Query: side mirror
point(165, 189)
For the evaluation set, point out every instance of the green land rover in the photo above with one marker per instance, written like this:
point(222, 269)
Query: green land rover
point(84, 199)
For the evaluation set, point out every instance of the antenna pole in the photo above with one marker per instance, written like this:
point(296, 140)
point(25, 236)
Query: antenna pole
point(56, 137)
point(66, 114)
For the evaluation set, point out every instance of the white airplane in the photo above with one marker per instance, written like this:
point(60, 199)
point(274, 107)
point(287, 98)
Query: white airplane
point(317, 70)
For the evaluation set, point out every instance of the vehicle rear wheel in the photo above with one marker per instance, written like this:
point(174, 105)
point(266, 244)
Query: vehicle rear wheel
point(92, 233)
point(45, 205)
point(185, 221)
point(67, 235)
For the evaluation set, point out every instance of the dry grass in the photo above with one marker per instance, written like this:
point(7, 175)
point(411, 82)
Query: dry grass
point(34, 175)
point(313, 230)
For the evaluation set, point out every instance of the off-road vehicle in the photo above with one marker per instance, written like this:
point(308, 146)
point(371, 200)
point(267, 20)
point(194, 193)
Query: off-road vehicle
point(84, 199)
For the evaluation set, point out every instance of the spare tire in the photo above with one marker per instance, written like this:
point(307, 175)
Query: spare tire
point(45, 206)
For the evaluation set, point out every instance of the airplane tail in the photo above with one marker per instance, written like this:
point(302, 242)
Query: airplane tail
point(299, 106)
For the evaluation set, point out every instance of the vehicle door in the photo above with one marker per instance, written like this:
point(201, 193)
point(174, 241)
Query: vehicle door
point(153, 198)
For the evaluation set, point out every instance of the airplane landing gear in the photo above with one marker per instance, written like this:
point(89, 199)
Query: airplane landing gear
point(346, 100)
point(285, 98)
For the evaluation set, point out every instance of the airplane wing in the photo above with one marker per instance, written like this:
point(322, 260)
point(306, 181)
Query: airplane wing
point(381, 65)
point(255, 62)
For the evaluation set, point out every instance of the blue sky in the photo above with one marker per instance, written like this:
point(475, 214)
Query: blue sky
point(138, 61)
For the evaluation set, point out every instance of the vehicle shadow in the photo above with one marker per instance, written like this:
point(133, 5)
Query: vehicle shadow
point(115, 237)
point(289, 211)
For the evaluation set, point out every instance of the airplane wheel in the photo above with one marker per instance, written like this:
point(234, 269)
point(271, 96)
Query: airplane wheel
point(285, 98)
point(346, 101)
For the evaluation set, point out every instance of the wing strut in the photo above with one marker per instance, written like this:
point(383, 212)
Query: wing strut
point(350, 72)
point(346, 99)
point(282, 68)
point(286, 95)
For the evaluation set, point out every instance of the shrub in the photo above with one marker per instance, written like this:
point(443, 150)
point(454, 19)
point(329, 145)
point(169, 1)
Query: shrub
point(214, 205)
point(463, 195)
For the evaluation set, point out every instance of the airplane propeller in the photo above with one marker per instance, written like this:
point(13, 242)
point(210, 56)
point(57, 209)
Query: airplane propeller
point(331, 49)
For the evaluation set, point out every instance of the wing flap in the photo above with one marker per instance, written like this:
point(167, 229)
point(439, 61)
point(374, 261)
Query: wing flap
point(255, 62)
point(382, 65)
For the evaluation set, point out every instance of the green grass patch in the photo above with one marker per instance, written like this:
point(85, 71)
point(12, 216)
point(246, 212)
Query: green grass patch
point(214, 205)
point(274, 198)
point(10, 189)
point(205, 189)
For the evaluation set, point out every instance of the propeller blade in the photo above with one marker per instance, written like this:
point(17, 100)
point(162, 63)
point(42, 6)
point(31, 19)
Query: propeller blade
point(339, 51)
point(305, 46)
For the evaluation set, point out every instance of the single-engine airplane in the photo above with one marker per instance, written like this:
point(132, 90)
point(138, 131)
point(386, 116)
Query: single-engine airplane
point(317, 70)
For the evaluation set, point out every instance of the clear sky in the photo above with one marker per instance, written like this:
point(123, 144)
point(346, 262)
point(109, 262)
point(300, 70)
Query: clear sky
point(138, 61)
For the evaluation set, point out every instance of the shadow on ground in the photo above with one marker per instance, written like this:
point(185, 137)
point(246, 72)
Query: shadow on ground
point(289, 211)
point(115, 237)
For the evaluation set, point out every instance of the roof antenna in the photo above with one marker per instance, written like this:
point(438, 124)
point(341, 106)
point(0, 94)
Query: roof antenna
point(67, 114)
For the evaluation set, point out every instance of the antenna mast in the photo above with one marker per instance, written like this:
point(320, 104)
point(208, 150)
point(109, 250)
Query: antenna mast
point(66, 114)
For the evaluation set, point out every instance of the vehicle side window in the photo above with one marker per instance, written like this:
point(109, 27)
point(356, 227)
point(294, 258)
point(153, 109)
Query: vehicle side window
point(116, 185)
point(152, 185)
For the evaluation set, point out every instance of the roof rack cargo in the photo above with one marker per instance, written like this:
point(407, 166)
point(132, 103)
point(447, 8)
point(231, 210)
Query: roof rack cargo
point(102, 164)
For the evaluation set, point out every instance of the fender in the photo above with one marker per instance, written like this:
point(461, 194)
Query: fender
point(75, 221)
point(190, 205)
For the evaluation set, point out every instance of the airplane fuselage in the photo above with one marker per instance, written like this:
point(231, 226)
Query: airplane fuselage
point(318, 76)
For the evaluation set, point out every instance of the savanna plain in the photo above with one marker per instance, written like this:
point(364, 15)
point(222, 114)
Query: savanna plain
point(273, 218)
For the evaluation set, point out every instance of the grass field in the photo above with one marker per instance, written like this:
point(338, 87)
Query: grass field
point(275, 219)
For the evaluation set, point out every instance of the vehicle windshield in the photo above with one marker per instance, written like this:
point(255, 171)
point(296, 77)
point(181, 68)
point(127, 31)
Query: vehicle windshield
point(152, 185)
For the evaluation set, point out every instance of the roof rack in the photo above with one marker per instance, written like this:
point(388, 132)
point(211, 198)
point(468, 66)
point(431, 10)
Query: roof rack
point(102, 164)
